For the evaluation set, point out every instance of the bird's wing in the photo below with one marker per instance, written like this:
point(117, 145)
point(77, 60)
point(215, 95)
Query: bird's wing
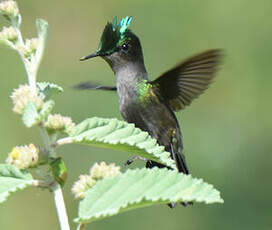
point(94, 86)
point(185, 82)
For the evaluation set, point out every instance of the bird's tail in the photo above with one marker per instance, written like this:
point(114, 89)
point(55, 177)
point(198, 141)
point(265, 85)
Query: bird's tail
point(94, 86)
point(181, 163)
point(179, 159)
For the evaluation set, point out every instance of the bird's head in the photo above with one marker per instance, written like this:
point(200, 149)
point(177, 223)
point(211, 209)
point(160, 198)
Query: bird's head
point(118, 45)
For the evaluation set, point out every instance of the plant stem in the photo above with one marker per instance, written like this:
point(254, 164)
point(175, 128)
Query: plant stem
point(60, 207)
point(57, 191)
point(47, 142)
point(64, 141)
point(45, 138)
point(31, 67)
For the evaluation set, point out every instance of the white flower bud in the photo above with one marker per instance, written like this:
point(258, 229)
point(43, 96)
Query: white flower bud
point(81, 186)
point(60, 123)
point(23, 157)
point(102, 170)
point(31, 46)
point(9, 8)
point(9, 33)
point(22, 96)
point(97, 172)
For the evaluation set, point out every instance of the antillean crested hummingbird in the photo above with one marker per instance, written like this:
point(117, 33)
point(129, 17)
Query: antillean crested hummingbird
point(150, 105)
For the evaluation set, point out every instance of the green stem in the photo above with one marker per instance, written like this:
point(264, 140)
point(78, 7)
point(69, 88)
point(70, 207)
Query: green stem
point(45, 137)
point(31, 67)
point(64, 141)
point(47, 143)
point(56, 188)
point(60, 207)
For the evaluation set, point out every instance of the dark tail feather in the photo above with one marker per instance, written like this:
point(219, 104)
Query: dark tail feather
point(181, 163)
point(94, 86)
point(179, 158)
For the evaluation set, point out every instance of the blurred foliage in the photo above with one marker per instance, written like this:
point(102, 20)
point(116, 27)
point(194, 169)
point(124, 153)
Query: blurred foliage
point(227, 132)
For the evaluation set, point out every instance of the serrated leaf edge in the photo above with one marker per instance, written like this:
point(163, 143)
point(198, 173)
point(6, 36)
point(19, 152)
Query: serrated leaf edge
point(149, 201)
point(20, 187)
point(148, 144)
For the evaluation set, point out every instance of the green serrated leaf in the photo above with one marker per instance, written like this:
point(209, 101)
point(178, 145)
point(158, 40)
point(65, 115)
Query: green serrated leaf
point(59, 170)
point(42, 28)
point(140, 188)
point(120, 135)
point(46, 89)
point(30, 115)
point(12, 179)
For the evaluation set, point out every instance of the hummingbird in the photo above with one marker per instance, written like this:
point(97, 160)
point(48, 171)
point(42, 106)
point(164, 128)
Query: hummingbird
point(151, 105)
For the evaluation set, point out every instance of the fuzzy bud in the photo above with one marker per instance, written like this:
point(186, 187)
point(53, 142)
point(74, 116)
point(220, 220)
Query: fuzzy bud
point(23, 157)
point(102, 170)
point(9, 9)
point(22, 96)
point(31, 46)
point(9, 33)
point(97, 172)
point(81, 186)
point(59, 123)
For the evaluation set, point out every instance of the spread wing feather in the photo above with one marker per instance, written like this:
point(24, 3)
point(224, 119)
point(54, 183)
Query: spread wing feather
point(185, 82)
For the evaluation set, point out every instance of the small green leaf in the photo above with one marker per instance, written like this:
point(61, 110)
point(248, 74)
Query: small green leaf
point(120, 135)
point(46, 110)
point(12, 179)
point(59, 170)
point(42, 28)
point(30, 115)
point(46, 89)
point(140, 188)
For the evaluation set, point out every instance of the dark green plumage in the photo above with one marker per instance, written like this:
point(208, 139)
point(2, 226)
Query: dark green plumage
point(150, 105)
point(113, 35)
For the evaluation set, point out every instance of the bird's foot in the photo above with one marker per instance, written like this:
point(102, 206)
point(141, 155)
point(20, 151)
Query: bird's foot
point(185, 204)
point(172, 205)
point(130, 161)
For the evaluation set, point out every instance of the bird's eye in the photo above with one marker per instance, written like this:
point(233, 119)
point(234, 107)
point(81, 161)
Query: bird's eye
point(125, 47)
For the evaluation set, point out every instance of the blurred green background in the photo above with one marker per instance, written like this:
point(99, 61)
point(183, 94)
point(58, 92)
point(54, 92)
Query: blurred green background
point(227, 131)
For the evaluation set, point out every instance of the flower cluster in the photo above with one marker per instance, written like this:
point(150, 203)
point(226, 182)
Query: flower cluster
point(102, 170)
point(97, 172)
point(23, 157)
point(9, 33)
point(81, 186)
point(59, 123)
point(22, 96)
point(30, 47)
point(9, 9)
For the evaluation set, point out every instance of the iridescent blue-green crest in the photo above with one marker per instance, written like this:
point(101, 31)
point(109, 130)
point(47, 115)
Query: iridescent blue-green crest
point(113, 35)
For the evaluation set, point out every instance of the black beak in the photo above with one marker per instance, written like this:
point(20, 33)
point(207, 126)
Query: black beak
point(90, 56)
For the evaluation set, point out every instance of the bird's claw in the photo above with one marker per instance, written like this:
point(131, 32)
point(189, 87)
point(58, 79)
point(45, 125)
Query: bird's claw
point(130, 161)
